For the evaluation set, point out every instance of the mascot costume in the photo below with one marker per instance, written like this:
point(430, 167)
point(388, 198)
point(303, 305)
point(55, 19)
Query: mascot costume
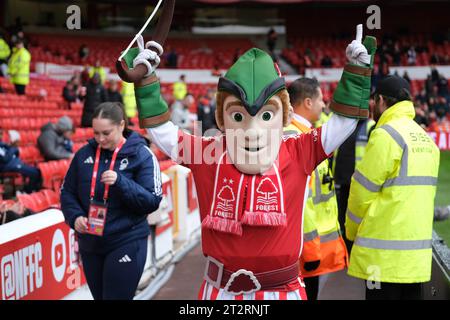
point(251, 181)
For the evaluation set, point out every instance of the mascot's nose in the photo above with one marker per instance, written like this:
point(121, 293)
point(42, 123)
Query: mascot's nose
point(252, 135)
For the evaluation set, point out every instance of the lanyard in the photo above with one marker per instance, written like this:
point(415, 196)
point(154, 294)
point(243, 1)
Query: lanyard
point(111, 167)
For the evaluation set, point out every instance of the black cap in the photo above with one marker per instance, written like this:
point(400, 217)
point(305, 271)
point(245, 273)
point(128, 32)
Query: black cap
point(391, 86)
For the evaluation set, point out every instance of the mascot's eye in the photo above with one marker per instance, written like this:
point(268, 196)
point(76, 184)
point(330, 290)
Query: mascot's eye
point(266, 116)
point(237, 116)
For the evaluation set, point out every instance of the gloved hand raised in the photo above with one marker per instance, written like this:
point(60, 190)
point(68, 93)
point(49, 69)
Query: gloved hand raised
point(148, 57)
point(356, 52)
point(351, 97)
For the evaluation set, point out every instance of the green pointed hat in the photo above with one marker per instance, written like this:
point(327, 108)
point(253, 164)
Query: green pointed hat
point(254, 79)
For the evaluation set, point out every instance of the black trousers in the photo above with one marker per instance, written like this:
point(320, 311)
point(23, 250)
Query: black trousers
point(116, 274)
point(312, 287)
point(396, 291)
point(342, 194)
point(20, 89)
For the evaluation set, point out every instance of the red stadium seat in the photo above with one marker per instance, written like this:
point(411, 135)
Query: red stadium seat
point(28, 201)
point(52, 197)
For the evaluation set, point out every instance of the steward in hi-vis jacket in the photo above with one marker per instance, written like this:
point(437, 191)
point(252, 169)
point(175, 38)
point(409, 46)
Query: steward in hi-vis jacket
point(391, 204)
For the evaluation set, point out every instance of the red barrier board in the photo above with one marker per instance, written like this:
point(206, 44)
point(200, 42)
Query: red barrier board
point(168, 196)
point(441, 138)
point(41, 265)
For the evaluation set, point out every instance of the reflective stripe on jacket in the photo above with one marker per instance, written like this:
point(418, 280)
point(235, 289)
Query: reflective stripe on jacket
point(391, 203)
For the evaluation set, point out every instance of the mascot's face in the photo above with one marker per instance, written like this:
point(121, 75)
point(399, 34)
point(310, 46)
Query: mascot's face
point(253, 143)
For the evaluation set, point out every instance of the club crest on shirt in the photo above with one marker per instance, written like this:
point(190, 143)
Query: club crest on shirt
point(266, 202)
point(227, 197)
point(123, 164)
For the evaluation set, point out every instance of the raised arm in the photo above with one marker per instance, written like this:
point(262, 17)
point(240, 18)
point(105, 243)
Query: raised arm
point(351, 99)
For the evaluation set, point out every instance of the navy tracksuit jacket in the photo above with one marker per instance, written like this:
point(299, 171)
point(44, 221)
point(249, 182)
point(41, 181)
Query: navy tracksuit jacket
point(114, 262)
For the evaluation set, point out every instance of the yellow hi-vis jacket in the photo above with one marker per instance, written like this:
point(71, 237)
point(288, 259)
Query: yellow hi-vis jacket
point(129, 99)
point(101, 72)
point(19, 66)
point(5, 51)
point(179, 90)
point(323, 118)
point(321, 220)
point(391, 202)
point(362, 137)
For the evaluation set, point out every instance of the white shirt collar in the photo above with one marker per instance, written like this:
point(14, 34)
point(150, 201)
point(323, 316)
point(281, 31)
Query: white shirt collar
point(302, 120)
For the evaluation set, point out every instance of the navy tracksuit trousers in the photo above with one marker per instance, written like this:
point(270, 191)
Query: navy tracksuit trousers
point(116, 274)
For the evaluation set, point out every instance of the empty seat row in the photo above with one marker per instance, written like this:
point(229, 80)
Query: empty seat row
point(40, 201)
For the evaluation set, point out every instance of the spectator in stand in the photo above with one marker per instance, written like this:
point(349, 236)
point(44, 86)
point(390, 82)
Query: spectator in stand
point(446, 59)
point(19, 37)
point(326, 62)
point(379, 72)
point(307, 62)
point(5, 51)
point(52, 142)
point(180, 88)
point(10, 162)
point(435, 75)
point(84, 76)
point(97, 68)
point(434, 58)
point(397, 55)
point(206, 112)
point(272, 41)
point(180, 113)
point(129, 101)
point(70, 94)
point(237, 54)
point(68, 143)
point(434, 94)
point(83, 52)
point(216, 71)
point(412, 56)
point(406, 77)
point(421, 97)
point(13, 212)
point(76, 79)
point(113, 93)
point(19, 67)
point(442, 86)
point(172, 58)
point(95, 94)
point(441, 108)
point(311, 58)
point(421, 117)
point(428, 85)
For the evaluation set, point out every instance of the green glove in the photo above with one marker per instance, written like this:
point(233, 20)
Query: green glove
point(351, 97)
point(153, 110)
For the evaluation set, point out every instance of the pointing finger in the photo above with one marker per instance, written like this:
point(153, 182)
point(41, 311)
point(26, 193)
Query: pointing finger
point(140, 42)
point(359, 32)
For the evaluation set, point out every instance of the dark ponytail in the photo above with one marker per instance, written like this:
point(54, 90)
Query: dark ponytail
point(113, 111)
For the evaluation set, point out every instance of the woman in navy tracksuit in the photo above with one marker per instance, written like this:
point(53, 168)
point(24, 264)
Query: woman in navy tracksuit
point(113, 262)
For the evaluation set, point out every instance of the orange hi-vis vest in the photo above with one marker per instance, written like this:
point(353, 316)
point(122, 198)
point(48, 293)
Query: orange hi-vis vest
point(321, 234)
